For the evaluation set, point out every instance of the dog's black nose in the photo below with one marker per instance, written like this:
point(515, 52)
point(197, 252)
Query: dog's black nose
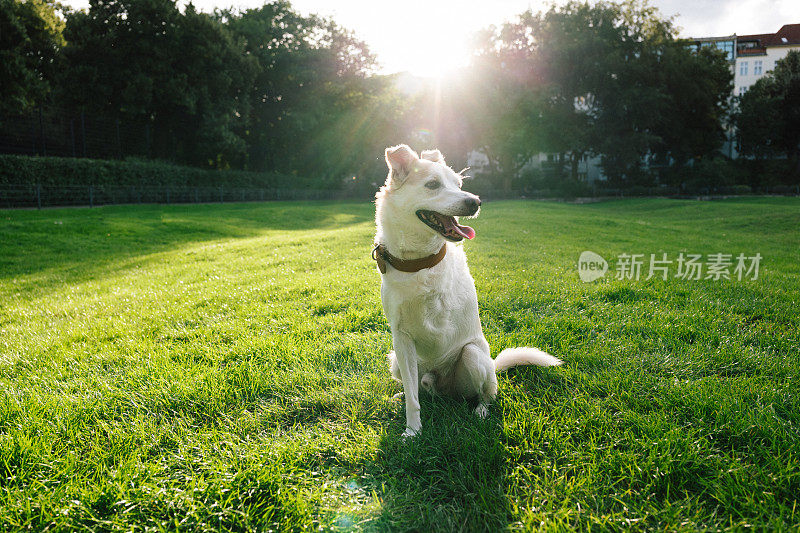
point(472, 204)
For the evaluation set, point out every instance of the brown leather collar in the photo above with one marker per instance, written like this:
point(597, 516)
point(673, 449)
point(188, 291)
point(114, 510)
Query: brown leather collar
point(382, 256)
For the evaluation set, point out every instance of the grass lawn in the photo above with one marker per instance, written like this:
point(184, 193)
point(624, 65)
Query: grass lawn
point(222, 367)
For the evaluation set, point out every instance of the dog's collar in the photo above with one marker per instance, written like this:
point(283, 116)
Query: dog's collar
point(382, 256)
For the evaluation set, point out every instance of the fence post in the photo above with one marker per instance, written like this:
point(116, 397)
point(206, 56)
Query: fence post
point(39, 195)
point(91, 196)
point(220, 194)
point(167, 194)
point(196, 196)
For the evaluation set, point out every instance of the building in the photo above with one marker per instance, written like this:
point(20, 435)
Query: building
point(757, 54)
point(751, 57)
point(726, 44)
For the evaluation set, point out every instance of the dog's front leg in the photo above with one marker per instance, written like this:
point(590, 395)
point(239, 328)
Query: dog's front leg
point(406, 354)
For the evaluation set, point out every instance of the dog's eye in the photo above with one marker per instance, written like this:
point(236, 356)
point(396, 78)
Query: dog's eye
point(433, 184)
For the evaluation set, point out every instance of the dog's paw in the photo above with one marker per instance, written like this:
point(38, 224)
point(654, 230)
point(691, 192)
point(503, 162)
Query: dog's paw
point(428, 382)
point(482, 411)
point(410, 432)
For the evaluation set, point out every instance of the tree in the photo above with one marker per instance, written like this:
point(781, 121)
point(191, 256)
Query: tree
point(30, 38)
point(697, 87)
point(181, 74)
point(261, 89)
point(310, 87)
point(604, 79)
point(504, 100)
point(768, 115)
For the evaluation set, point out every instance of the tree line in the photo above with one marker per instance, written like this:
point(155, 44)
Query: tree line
point(270, 89)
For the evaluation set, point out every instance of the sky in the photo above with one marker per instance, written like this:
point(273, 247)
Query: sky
point(430, 37)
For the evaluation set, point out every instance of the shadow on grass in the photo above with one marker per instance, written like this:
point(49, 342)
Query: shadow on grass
point(448, 478)
point(454, 476)
point(78, 243)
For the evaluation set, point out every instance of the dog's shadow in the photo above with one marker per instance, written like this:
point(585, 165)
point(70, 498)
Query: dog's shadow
point(453, 475)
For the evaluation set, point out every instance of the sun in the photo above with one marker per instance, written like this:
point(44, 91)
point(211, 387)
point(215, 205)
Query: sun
point(422, 37)
point(439, 56)
point(427, 43)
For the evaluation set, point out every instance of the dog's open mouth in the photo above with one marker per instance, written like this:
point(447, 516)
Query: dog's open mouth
point(446, 225)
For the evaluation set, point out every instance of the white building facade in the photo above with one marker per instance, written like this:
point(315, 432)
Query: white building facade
point(751, 57)
point(756, 55)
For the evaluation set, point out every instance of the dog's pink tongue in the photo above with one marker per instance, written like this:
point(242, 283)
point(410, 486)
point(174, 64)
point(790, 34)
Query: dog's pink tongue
point(464, 231)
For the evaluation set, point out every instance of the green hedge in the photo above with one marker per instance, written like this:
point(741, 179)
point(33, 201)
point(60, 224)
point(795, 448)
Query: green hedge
point(27, 170)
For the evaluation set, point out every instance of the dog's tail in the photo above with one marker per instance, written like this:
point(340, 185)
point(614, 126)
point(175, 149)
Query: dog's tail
point(511, 357)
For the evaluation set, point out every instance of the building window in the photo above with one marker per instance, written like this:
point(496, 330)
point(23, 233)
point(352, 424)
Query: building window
point(757, 68)
point(727, 47)
point(743, 68)
point(742, 90)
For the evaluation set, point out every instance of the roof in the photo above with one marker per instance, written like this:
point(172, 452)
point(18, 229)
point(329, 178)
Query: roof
point(761, 37)
point(789, 34)
point(711, 39)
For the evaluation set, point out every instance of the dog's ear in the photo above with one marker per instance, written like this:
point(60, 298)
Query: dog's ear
point(433, 155)
point(400, 158)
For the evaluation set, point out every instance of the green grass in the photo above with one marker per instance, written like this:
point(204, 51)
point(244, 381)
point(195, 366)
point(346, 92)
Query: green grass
point(223, 368)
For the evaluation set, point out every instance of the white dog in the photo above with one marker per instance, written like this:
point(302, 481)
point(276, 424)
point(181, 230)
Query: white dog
point(428, 294)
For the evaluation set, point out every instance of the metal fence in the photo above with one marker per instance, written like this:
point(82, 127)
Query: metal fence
point(54, 131)
point(33, 196)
